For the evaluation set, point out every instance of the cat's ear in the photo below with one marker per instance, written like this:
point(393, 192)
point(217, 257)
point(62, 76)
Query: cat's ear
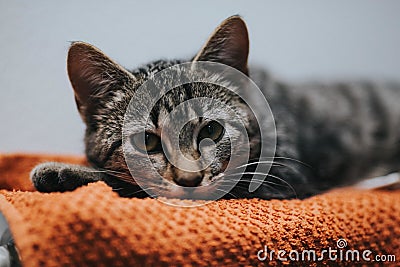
point(93, 75)
point(229, 45)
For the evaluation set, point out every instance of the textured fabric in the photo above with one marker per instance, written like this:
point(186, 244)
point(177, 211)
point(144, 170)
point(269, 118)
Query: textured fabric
point(92, 226)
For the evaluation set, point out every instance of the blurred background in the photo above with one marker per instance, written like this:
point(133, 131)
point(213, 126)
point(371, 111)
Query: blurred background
point(296, 40)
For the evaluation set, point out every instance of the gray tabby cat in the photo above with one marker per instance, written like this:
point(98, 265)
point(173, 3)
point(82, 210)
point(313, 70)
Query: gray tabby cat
point(327, 135)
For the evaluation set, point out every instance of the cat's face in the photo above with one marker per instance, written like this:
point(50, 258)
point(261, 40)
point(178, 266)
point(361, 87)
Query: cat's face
point(103, 91)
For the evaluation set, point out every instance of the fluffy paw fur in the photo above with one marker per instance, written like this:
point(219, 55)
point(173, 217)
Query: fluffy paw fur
point(59, 177)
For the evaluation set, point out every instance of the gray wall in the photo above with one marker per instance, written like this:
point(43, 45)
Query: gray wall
point(295, 39)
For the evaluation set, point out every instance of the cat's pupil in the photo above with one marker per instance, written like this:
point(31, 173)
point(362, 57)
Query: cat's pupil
point(210, 129)
point(147, 139)
point(153, 143)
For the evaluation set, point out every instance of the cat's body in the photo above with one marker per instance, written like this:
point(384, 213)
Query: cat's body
point(343, 131)
point(327, 135)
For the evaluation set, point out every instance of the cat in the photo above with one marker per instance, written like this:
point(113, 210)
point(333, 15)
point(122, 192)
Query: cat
point(327, 135)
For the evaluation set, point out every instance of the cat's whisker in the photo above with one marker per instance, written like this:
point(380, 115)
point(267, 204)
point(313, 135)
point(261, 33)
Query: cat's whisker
point(282, 180)
point(226, 192)
point(95, 171)
point(124, 178)
point(131, 194)
point(273, 164)
point(268, 184)
point(246, 173)
point(120, 175)
point(237, 186)
point(111, 171)
point(285, 158)
point(265, 181)
point(244, 184)
point(253, 163)
point(118, 189)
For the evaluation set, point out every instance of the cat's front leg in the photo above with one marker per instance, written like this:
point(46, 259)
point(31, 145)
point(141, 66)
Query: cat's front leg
point(61, 177)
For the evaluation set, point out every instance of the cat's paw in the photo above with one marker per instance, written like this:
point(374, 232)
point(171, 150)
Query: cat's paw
point(55, 177)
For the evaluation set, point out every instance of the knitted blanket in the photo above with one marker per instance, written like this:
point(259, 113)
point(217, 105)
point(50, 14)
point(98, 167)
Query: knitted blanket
point(92, 226)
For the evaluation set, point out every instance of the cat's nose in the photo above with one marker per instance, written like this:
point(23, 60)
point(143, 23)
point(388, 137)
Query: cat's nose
point(192, 182)
point(189, 179)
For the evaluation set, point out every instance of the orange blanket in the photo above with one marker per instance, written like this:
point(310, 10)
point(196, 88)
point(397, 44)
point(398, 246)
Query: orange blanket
point(92, 226)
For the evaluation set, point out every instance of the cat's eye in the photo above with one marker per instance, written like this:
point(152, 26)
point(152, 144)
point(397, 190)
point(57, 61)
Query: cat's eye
point(151, 144)
point(213, 130)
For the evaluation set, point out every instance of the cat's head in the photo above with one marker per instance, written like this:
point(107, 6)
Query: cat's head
point(103, 90)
